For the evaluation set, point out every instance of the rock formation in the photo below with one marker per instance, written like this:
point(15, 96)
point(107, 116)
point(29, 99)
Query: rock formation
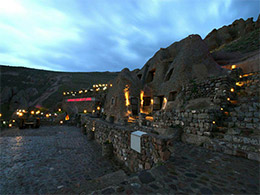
point(226, 34)
point(115, 104)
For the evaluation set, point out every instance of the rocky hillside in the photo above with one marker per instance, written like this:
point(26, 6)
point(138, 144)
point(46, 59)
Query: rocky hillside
point(24, 87)
point(237, 43)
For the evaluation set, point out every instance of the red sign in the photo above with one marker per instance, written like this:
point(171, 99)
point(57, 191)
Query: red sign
point(80, 100)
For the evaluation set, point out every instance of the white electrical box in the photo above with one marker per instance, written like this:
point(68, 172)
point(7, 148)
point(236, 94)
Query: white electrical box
point(136, 140)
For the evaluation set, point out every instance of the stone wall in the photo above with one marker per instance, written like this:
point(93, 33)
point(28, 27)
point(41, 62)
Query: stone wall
point(230, 124)
point(154, 148)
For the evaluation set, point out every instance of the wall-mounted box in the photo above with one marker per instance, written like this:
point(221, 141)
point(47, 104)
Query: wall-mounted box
point(136, 140)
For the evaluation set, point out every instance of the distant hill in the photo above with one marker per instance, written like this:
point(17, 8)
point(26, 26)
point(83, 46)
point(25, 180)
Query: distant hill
point(24, 87)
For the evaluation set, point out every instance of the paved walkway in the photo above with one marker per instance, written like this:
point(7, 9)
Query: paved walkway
point(48, 160)
point(61, 160)
point(194, 170)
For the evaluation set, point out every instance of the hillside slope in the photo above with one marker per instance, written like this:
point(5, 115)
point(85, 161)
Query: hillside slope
point(25, 87)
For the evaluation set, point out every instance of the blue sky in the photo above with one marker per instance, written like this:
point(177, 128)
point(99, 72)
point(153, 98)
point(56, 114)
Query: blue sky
point(105, 35)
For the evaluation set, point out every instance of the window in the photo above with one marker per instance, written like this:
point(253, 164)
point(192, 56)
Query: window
point(112, 101)
point(168, 76)
point(147, 101)
point(172, 96)
point(150, 76)
point(158, 101)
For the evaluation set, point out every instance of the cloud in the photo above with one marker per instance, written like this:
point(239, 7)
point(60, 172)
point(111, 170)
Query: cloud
point(85, 35)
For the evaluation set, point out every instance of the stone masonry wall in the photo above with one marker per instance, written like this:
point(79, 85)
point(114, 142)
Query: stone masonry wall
point(153, 147)
point(230, 125)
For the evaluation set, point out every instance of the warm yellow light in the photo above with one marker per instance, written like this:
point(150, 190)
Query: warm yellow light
point(233, 67)
point(59, 109)
point(98, 108)
point(67, 118)
point(99, 85)
point(111, 85)
point(232, 89)
point(94, 86)
point(164, 103)
point(151, 101)
point(10, 125)
point(23, 111)
point(38, 112)
point(240, 76)
point(221, 109)
point(20, 114)
point(13, 121)
point(61, 122)
point(228, 99)
point(47, 115)
point(85, 111)
point(0, 115)
point(126, 91)
point(86, 91)
point(240, 84)
point(213, 122)
point(93, 110)
point(80, 91)
point(64, 93)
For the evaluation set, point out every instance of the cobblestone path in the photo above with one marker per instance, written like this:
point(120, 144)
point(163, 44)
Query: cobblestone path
point(48, 160)
point(194, 170)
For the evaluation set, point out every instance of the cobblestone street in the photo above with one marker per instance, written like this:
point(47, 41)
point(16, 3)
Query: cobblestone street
point(60, 160)
point(194, 170)
point(49, 160)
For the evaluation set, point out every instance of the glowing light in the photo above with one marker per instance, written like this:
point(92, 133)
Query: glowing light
point(67, 118)
point(17, 113)
point(38, 112)
point(86, 91)
point(4, 122)
point(80, 91)
point(64, 93)
point(94, 86)
point(228, 99)
point(111, 85)
point(142, 101)
point(47, 115)
point(221, 109)
point(0, 114)
point(13, 121)
point(93, 111)
point(233, 67)
point(10, 125)
point(59, 109)
point(98, 108)
point(20, 114)
point(240, 76)
point(79, 100)
point(214, 122)
point(149, 118)
point(151, 101)
point(164, 103)
point(126, 91)
point(61, 122)
point(85, 111)
point(41, 113)
point(232, 89)
point(23, 111)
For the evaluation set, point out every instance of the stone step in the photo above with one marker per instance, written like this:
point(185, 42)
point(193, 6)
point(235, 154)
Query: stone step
point(237, 149)
point(254, 140)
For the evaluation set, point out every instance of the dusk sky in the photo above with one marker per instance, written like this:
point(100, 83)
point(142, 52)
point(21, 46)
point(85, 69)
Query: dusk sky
point(105, 35)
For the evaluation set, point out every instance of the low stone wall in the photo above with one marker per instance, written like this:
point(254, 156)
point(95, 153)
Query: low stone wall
point(154, 148)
